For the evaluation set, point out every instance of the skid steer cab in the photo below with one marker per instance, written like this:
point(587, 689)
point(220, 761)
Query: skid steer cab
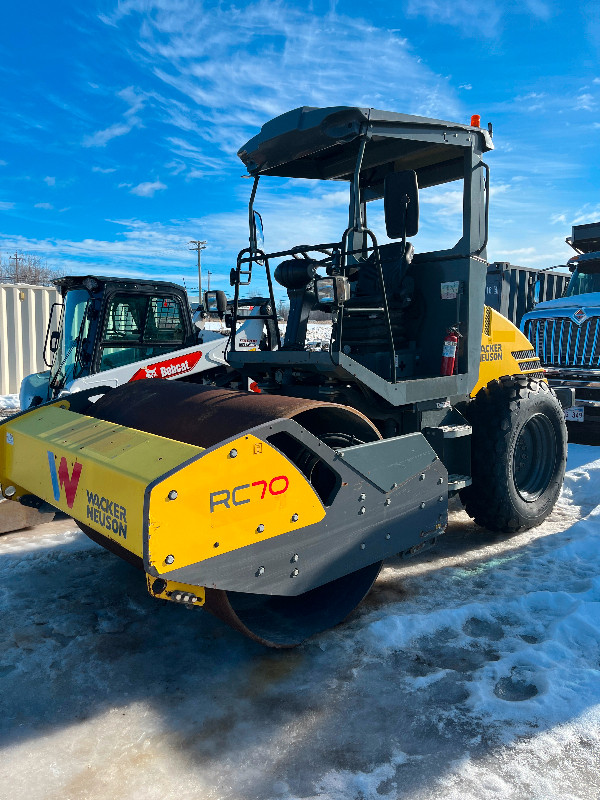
point(110, 331)
point(276, 510)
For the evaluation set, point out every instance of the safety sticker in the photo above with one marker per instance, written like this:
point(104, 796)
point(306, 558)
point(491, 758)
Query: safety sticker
point(450, 290)
point(248, 344)
point(9, 438)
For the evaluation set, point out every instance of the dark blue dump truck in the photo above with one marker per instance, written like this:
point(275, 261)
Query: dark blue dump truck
point(513, 290)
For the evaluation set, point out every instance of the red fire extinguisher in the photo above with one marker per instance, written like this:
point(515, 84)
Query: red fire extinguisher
point(449, 351)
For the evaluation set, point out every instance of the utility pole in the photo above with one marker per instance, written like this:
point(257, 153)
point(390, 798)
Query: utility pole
point(17, 259)
point(209, 274)
point(199, 247)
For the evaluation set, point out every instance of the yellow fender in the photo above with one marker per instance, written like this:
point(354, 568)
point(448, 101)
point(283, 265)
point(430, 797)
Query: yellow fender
point(504, 351)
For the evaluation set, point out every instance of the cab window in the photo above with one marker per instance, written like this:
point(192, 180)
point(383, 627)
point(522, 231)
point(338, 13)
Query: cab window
point(137, 327)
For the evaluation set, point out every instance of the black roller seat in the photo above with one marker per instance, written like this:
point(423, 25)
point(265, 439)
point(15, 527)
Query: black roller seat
point(365, 330)
point(394, 266)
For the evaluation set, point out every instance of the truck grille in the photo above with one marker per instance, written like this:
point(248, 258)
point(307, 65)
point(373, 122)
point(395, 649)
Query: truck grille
point(561, 342)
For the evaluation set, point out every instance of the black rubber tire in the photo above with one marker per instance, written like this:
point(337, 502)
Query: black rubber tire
point(518, 454)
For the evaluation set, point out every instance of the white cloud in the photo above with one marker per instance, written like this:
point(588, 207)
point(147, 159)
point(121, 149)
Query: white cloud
point(236, 67)
point(520, 251)
point(585, 102)
point(148, 189)
point(101, 138)
point(50, 181)
point(194, 154)
point(596, 80)
point(587, 213)
point(104, 170)
point(476, 19)
point(447, 201)
point(539, 9)
point(466, 86)
point(3, 163)
point(555, 219)
point(4, 206)
point(47, 206)
point(135, 101)
point(175, 167)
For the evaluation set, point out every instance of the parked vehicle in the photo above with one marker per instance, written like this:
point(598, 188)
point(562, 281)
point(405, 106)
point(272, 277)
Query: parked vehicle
point(565, 331)
point(276, 510)
point(513, 290)
point(110, 331)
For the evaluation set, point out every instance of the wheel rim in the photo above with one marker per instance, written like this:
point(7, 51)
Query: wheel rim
point(534, 457)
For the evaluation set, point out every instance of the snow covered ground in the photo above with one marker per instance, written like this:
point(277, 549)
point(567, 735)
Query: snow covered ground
point(316, 330)
point(9, 401)
point(470, 672)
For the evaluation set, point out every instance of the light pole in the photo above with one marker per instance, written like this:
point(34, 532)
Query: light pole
point(199, 247)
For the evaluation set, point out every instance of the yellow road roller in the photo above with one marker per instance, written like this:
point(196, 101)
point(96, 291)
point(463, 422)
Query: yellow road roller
point(275, 508)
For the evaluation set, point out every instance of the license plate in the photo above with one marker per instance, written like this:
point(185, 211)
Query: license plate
point(574, 414)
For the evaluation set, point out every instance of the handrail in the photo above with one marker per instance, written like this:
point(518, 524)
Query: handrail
point(259, 257)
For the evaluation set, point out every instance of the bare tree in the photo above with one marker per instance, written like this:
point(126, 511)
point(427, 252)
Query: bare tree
point(25, 268)
point(283, 310)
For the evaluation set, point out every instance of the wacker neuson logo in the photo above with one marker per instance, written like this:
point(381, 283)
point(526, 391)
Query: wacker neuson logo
point(61, 479)
point(579, 316)
point(106, 513)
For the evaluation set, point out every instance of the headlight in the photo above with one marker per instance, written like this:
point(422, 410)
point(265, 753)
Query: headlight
point(332, 291)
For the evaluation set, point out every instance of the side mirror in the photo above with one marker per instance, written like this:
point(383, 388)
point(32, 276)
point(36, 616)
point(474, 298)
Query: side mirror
point(536, 292)
point(215, 303)
point(401, 204)
point(258, 234)
point(52, 339)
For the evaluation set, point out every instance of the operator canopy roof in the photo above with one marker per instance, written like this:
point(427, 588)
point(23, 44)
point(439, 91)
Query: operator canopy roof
point(322, 143)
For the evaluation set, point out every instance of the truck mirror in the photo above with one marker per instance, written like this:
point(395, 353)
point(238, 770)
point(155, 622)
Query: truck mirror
point(401, 204)
point(52, 340)
point(258, 235)
point(536, 292)
point(215, 303)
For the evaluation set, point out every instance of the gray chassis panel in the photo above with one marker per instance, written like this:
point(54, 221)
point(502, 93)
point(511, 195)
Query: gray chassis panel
point(346, 539)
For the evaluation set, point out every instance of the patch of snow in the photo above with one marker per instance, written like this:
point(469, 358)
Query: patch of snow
point(471, 672)
point(9, 401)
point(213, 325)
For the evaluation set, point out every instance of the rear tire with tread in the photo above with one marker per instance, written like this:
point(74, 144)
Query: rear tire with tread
point(518, 454)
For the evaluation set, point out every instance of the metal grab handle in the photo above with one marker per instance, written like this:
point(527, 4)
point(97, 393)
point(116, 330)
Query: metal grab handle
point(487, 208)
point(385, 309)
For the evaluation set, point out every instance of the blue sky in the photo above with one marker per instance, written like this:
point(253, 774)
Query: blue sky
point(121, 121)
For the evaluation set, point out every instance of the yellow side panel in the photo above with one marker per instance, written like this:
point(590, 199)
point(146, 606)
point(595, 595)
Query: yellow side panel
point(504, 350)
point(95, 471)
point(238, 494)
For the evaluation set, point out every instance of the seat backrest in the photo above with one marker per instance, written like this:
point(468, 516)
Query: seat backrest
point(393, 265)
